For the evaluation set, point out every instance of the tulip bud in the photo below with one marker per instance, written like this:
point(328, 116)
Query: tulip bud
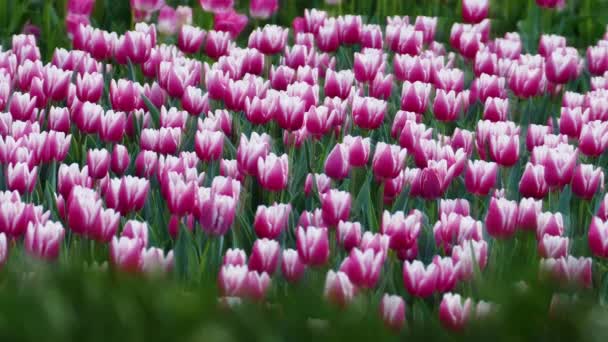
point(271, 221)
point(553, 246)
point(339, 290)
point(336, 206)
point(392, 311)
point(420, 281)
point(363, 267)
point(586, 181)
point(453, 313)
point(527, 212)
point(43, 241)
point(313, 245)
point(264, 256)
point(549, 224)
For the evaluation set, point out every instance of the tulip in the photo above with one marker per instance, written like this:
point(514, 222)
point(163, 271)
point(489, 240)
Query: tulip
point(318, 120)
point(404, 39)
point(337, 165)
point(392, 311)
point(459, 206)
point(263, 9)
point(217, 44)
point(480, 177)
point(549, 43)
point(190, 39)
point(112, 126)
point(496, 109)
point(313, 245)
point(549, 224)
point(179, 194)
point(529, 209)
point(570, 270)
point(256, 285)
point(154, 260)
point(290, 112)
point(338, 83)
point(231, 22)
point(336, 206)
point(231, 280)
point(235, 257)
point(402, 230)
point(381, 87)
point(474, 11)
point(597, 59)
point(44, 240)
point(217, 6)
point(273, 172)
point(22, 106)
point(19, 177)
point(464, 255)
point(59, 119)
point(533, 183)
point(526, 81)
point(252, 149)
point(358, 150)
point(271, 221)
point(264, 256)
point(388, 161)
point(217, 214)
point(447, 105)
point(371, 37)
point(127, 194)
point(571, 121)
point(363, 267)
point(412, 68)
point(501, 218)
point(323, 183)
point(428, 27)
point(89, 87)
point(194, 102)
point(328, 36)
point(105, 225)
point(348, 234)
point(420, 281)
point(598, 237)
point(367, 65)
point(504, 149)
point(587, 180)
point(415, 96)
point(553, 246)
point(98, 162)
point(594, 138)
point(454, 229)
point(124, 95)
point(368, 112)
point(209, 145)
point(453, 313)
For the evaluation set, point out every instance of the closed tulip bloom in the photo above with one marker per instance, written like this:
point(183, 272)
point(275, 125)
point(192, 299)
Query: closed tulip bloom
point(250, 150)
point(459, 206)
point(404, 39)
point(22, 106)
point(371, 37)
point(597, 59)
point(533, 183)
point(560, 164)
point(586, 180)
point(350, 27)
point(363, 267)
point(234, 256)
point(337, 165)
point(468, 253)
point(217, 43)
point(190, 39)
point(126, 253)
point(112, 126)
point(194, 102)
point(146, 163)
point(594, 138)
point(402, 230)
point(154, 261)
point(105, 225)
point(231, 22)
point(338, 84)
point(553, 246)
point(504, 149)
point(549, 224)
point(19, 177)
point(98, 162)
point(43, 241)
point(480, 177)
point(572, 99)
point(270, 40)
point(453, 313)
point(59, 119)
point(124, 95)
point(209, 145)
point(569, 270)
point(282, 76)
point(263, 9)
point(339, 290)
point(218, 215)
point(367, 65)
point(474, 11)
point(388, 161)
point(348, 234)
point(447, 274)
point(420, 281)
point(527, 212)
point(231, 280)
point(562, 66)
point(323, 183)
point(358, 150)
point(368, 112)
point(292, 266)
point(328, 37)
point(501, 218)
point(127, 194)
point(549, 43)
point(273, 172)
point(89, 87)
point(392, 311)
point(318, 120)
point(290, 112)
point(412, 68)
point(179, 194)
point(526, 81)
point(496, 109)
point(336, 206)
point(120, 159)
point(453, 229)
point(271, 221)
point(598, 237)
point(447, 106)
point(571, 121)
point(487, 86)
point(415, 96)
point(312, 245)
point(264, 256)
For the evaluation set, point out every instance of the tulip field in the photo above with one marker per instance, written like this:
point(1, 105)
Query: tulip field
point(222, 170)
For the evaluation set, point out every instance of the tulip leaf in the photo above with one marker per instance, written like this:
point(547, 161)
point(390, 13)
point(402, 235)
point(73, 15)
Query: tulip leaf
point(154, 112)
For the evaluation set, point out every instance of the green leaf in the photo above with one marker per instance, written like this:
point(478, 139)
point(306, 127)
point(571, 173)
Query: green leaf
point(154, 112)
